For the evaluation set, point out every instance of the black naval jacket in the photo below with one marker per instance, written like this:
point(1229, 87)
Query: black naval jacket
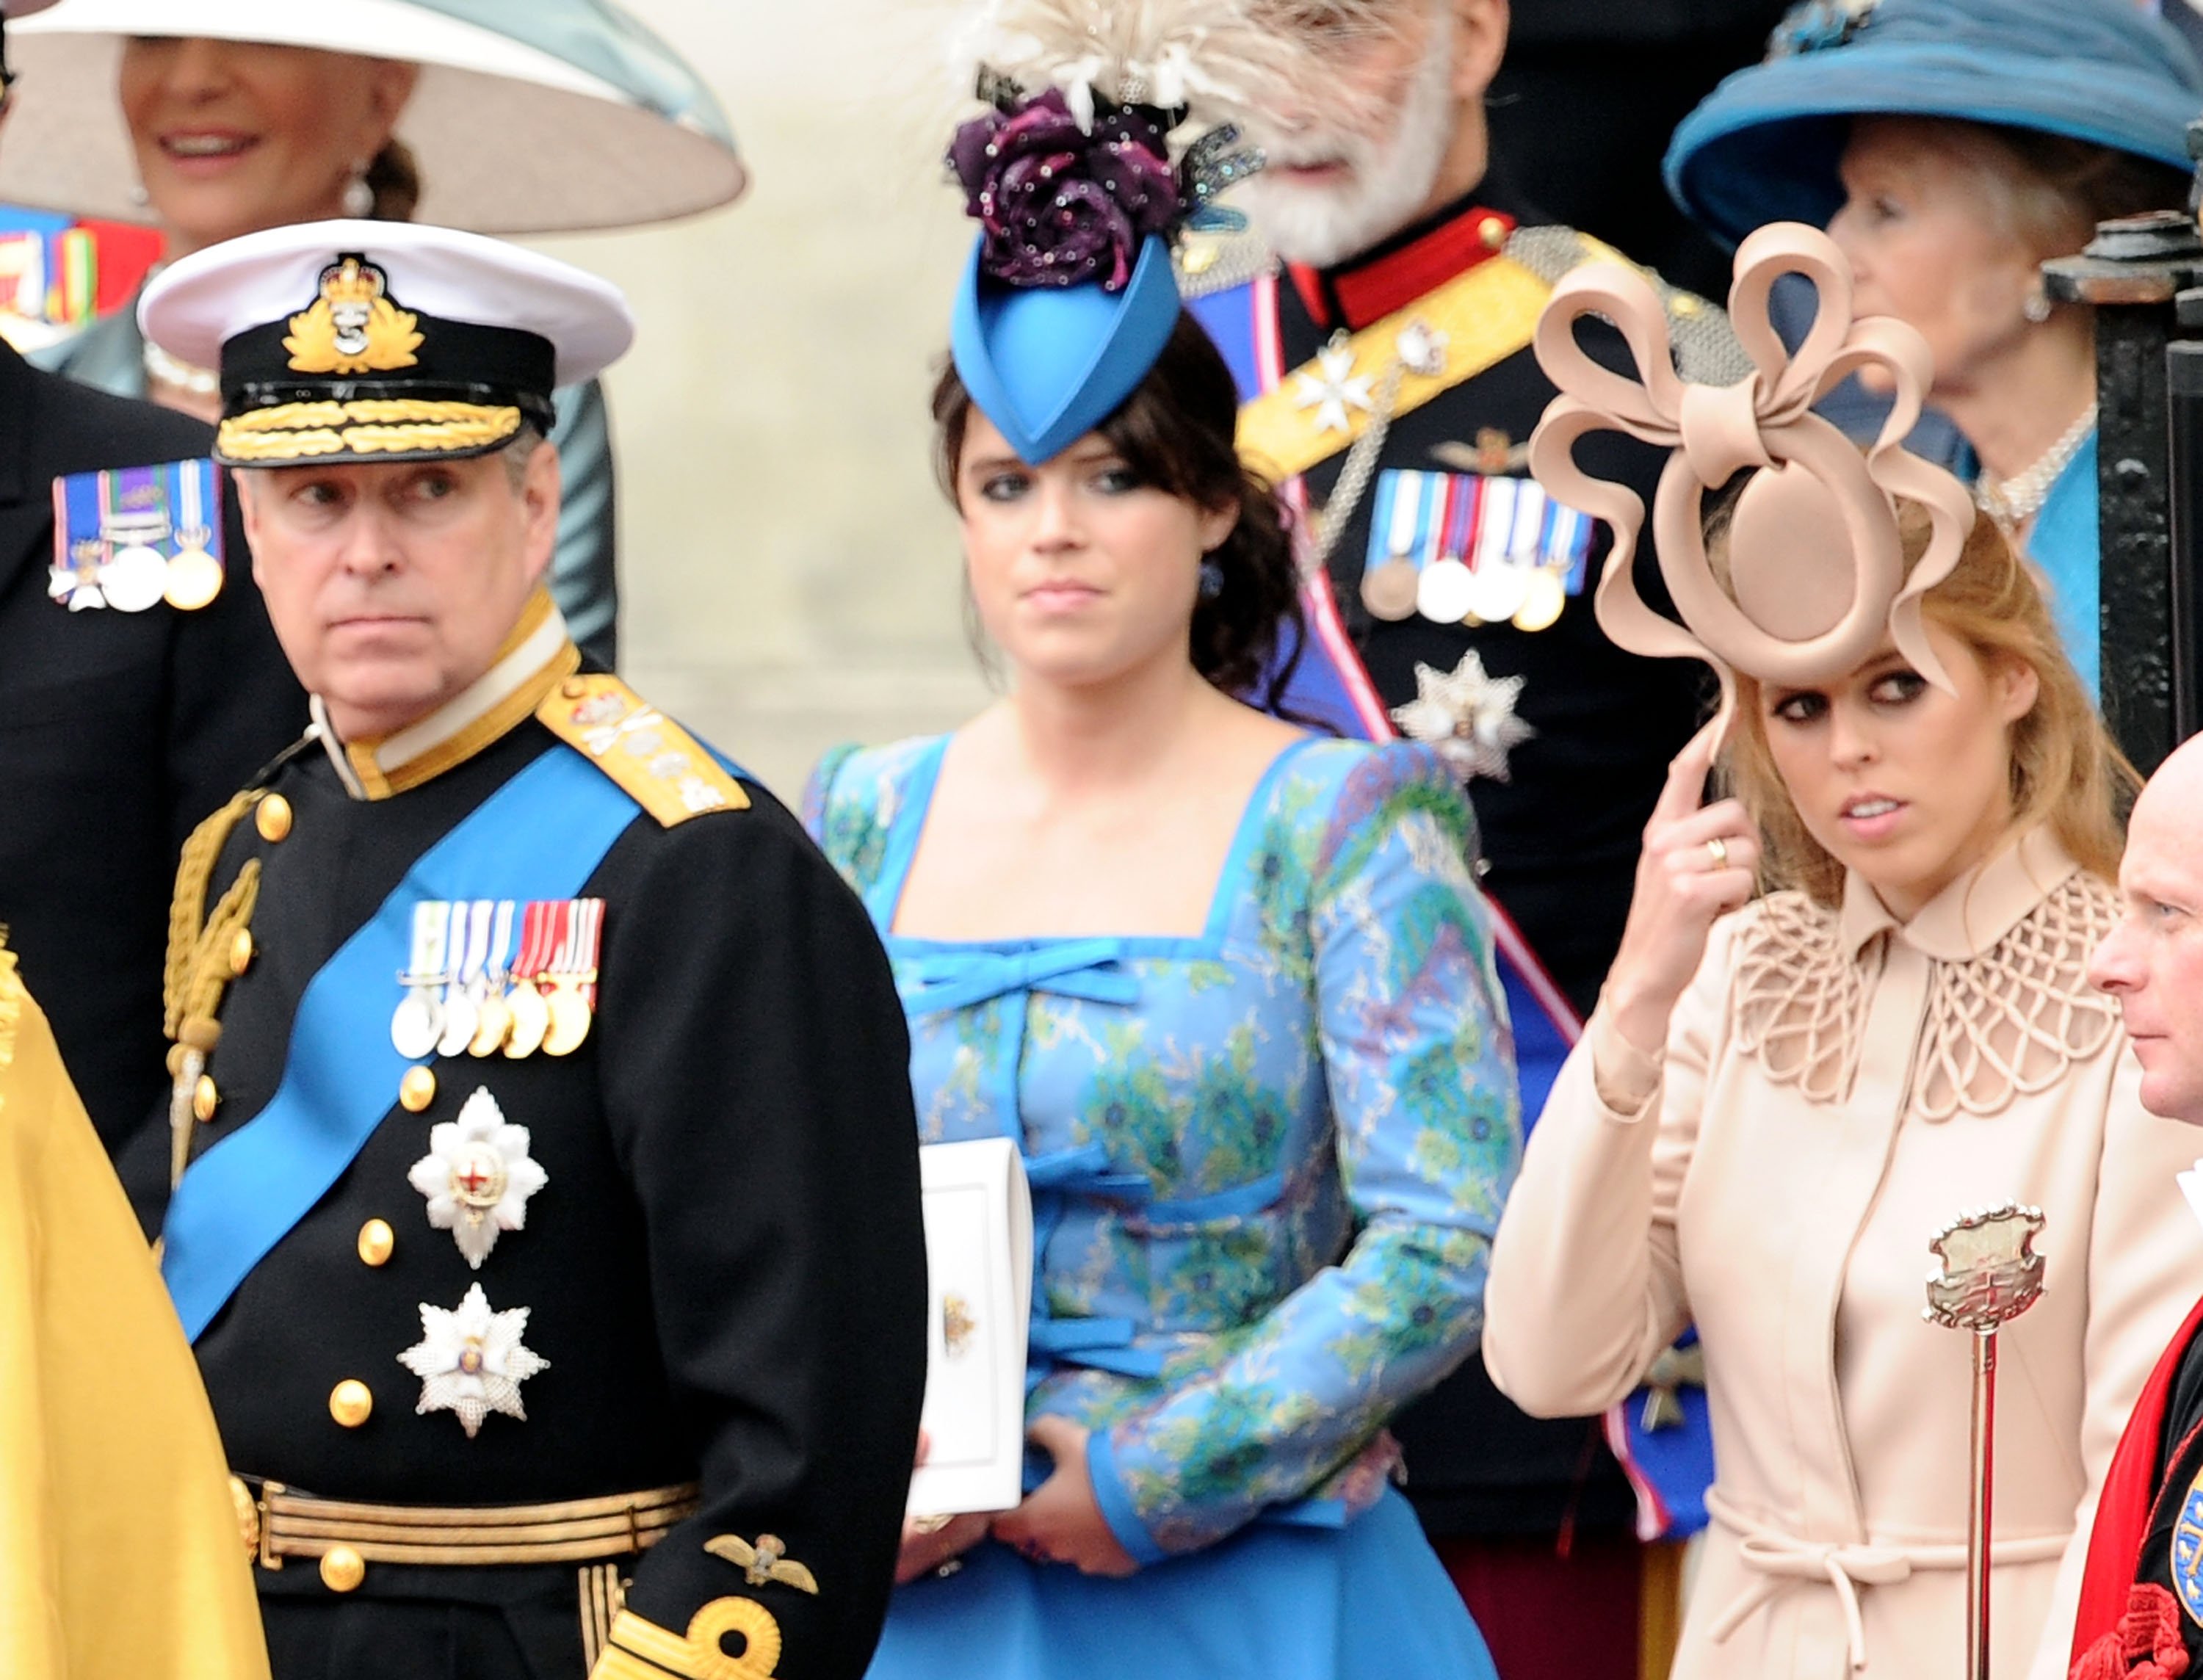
point(1560, 839)
point(118, 732)
point(725, 1270)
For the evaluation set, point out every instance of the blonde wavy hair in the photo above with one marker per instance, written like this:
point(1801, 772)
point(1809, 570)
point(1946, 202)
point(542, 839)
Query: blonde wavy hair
point(2066, 771)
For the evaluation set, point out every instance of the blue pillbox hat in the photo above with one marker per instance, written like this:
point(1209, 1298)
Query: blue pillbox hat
point(1763, 146)
point(1048, 364)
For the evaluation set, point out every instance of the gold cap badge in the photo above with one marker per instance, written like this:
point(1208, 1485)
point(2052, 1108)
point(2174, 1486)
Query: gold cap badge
point(352, 327)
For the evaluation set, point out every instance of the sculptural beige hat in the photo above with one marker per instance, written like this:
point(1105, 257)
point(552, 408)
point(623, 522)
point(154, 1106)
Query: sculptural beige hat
point(531, 116)
point(1817, 574)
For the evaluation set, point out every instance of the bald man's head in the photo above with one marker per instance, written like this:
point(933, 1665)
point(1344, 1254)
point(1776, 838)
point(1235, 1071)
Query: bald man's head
point(2153, 961)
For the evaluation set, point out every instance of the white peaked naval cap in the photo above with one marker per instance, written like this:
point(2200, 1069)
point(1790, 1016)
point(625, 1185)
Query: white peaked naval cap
point(381, 340)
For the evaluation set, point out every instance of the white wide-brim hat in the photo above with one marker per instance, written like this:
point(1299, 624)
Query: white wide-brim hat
point(531, 116)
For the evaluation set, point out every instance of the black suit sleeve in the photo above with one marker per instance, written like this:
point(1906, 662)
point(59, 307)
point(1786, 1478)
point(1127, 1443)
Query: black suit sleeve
point(234, 704)
point(757, 1085)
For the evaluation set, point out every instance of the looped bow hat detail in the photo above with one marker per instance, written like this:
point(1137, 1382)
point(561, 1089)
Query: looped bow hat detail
point(1815, 561)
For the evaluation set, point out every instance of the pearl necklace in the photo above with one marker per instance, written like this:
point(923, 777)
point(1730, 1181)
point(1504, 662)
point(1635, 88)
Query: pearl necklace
point(2013, 501)
point(167, 369)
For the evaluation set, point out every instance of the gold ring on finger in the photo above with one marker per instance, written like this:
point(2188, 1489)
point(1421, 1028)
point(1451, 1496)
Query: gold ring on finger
point(1717, 848)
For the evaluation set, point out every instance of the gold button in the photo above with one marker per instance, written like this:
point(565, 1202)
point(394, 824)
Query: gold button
point(273, 818)
point(240, 951)
point(573, 688)
point(416, 1090)
point(342, 1569)
point(350, 1404)
point(204, 1096)
point(376, 1239)
point(1493, 231)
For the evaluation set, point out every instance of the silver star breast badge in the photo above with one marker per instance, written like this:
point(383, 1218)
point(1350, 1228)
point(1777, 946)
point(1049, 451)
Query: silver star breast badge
point(470, 1360)
point(1469, 716)
point(477, 1176)
point(1336, 389)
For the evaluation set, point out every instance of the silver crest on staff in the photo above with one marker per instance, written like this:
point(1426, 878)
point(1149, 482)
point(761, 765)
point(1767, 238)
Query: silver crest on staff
point(1990, 1274)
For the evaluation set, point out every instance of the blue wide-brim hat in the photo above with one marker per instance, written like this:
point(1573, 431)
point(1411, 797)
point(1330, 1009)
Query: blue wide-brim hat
point(1763, 146)
point(1048, 364)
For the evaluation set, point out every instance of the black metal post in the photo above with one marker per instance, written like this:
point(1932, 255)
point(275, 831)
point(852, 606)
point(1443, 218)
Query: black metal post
point(2131, 274)
point(2184, 611)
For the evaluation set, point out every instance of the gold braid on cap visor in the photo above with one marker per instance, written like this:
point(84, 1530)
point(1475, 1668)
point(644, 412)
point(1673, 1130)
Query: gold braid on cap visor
point(366, 426)
point(1815, 561)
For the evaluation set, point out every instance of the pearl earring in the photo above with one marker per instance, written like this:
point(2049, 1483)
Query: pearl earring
point(358, 195)
point(139, 196)
point(2036, 309)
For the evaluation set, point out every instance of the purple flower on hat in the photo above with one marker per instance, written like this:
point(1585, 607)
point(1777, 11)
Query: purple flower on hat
point(1061, 205)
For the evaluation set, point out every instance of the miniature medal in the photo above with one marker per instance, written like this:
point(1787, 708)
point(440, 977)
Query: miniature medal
point(495, 1025)
point(470, 931)
point(76, 585)
point(470, 1360)
point(418, 1021)
point(1445, 591)
point(531, 1015)
point(1544, 594)
point(477, 1176)
point(193, 576)
point(1388, 591)
point(134, 579)
point(1497, 592)
point(573, 974)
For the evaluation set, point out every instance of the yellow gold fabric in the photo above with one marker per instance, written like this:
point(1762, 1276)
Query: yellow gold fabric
point(1485, 315)
point(119, 1550)
point(653, 759)
point(642, 1650)
point(617, 1525)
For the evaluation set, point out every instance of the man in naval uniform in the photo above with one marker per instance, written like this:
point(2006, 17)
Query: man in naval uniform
point(1390, 388)
point(136, 693)
point(548, 1226)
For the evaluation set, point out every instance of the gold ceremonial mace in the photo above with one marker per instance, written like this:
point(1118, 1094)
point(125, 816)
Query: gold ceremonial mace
point(1991, 1274)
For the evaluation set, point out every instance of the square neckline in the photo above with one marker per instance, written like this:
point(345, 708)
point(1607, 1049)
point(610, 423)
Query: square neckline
point(908, 827)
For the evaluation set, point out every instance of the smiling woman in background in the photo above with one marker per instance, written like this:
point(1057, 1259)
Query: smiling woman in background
point(1951, 147)
point(292, 123)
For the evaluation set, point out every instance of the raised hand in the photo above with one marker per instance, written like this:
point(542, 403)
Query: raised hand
point(1699, 862)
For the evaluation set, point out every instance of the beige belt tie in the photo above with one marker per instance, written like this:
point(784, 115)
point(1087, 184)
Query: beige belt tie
point(1780, 1559)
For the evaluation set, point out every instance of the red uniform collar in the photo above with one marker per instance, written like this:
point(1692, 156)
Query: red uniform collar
point(1395, 273)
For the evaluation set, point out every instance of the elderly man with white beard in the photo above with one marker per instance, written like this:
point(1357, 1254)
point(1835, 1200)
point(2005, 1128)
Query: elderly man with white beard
point(1379, 323)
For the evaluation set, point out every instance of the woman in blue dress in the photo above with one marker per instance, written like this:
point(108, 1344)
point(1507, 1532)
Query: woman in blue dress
point(1228, 984)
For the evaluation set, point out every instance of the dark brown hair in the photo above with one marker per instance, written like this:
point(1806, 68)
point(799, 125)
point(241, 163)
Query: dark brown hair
point(1176, 434)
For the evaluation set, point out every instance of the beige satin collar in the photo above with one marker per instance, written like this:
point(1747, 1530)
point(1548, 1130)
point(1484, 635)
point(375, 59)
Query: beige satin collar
point(1970, 916)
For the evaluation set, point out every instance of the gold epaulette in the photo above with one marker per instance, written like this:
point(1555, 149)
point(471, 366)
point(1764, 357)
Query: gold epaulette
point(656, 762)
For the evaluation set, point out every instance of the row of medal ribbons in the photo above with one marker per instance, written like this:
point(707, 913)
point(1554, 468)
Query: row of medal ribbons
point(490, 975)
point(1462, 548)
point(134, 537)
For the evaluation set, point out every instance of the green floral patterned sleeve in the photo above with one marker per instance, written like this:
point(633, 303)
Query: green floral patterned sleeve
point(1418, 1067)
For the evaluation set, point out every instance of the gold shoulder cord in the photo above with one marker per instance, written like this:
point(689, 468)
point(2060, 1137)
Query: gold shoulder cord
point(199, 969)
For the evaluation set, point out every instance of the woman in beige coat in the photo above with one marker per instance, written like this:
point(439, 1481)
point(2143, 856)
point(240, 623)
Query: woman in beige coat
point(1782, 1100)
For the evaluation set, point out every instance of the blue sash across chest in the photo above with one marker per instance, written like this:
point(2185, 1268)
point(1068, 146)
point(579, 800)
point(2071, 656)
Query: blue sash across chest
point(539, 836)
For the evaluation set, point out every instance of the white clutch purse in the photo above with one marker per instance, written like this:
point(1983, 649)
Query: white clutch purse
point(979, 1263)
